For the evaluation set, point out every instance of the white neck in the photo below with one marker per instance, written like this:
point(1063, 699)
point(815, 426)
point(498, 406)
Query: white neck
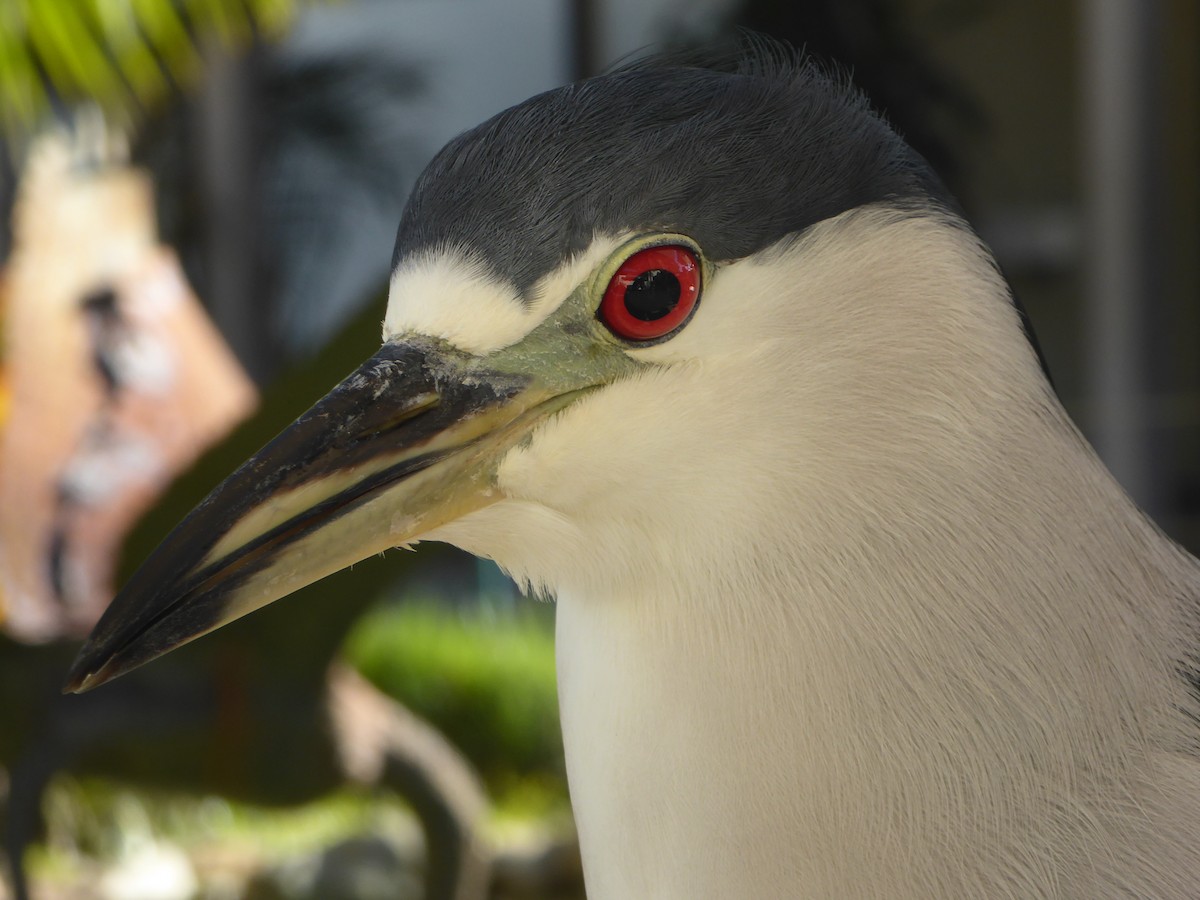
point(856, 733)
point(894, 633)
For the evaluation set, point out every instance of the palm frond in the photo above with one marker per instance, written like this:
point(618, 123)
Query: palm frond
point(124, 55)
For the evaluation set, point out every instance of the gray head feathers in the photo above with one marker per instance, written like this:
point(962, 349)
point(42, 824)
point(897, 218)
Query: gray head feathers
point(736, 156)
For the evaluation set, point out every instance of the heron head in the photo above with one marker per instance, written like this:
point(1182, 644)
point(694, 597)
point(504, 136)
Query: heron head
point(647, 299)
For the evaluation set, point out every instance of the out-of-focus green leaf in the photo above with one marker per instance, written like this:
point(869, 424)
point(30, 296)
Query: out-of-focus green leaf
point(223, 18)
point(20, 91)
point(486, 682)
point(70, 52)
point(164, 30)
point(124, 55)
point(133, 56)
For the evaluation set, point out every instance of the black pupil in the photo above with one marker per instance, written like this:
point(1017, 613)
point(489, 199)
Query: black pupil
point(652, 295)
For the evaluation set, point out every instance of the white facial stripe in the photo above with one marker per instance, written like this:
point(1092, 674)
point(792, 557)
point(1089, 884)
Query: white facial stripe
point(450, 296)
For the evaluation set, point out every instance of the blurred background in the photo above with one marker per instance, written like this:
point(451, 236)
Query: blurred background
point(197, 205)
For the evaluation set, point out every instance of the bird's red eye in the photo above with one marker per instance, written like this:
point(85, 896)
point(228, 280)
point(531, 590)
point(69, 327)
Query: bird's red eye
point(652, 294)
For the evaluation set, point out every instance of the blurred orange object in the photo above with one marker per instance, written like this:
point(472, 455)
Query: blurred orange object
point(116, 380)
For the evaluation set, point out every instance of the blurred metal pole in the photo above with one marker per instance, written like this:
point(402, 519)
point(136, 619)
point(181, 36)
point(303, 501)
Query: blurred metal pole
point(1121, 49)
point(226, 125)
point(584, 21)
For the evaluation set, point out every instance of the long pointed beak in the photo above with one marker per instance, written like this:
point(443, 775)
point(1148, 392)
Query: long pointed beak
point(407, 442)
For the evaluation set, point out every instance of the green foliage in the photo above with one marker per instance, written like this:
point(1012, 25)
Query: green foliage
point(125, 55)
point(486, 681)
point(96, 818)
point(93, 824)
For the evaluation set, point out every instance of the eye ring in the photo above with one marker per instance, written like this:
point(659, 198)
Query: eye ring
point(652, 293)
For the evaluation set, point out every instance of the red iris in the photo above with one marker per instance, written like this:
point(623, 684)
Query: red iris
point(652, 294)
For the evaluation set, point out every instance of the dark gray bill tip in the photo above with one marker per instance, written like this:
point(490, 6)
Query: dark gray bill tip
point(104, 657)
point(85, 675)
point(95, 666)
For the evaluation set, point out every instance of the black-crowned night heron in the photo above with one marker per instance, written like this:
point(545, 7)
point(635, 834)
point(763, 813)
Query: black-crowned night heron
point(846, 605)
